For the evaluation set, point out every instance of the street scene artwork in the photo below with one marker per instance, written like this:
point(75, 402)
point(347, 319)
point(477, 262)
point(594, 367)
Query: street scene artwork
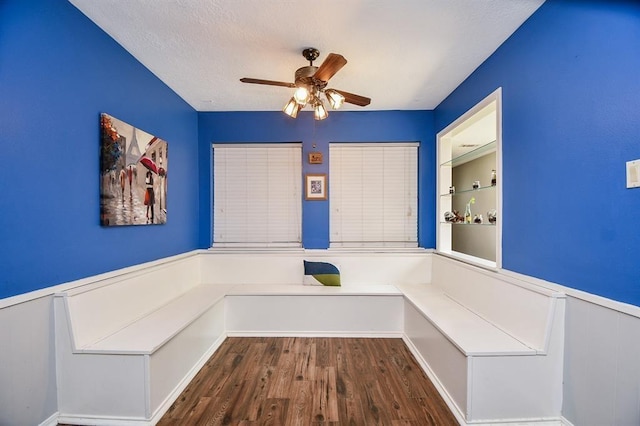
point(133, 175)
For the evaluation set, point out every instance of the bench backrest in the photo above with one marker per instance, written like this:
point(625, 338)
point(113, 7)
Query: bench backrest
point(110, 301)
point(523, 310)
point(287, 267)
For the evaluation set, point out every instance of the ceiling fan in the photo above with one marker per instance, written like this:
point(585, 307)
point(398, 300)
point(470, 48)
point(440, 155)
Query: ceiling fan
point(310, 82)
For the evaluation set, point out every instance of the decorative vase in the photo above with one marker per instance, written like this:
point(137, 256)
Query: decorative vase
point(467, 211)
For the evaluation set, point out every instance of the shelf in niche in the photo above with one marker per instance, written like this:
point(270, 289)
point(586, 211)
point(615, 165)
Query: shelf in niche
point(467, 191)
point(471, 155)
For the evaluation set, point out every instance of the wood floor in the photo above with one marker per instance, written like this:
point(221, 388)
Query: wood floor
point(310, 381)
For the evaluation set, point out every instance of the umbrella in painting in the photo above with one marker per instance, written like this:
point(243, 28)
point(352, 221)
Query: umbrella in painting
point(149, 164)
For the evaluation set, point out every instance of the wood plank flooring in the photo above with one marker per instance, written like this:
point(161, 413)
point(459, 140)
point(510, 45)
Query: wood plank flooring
point(310, 381)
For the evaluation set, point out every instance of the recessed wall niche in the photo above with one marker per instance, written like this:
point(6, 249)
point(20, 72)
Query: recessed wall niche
point(469, 221)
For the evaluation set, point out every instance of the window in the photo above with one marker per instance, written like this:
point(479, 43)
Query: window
point(257, 195)
point(373, 194)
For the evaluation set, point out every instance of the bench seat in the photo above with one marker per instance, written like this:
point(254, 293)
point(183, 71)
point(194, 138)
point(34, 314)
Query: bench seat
point(469, 332)
point(129, 341)
point(491, 343)
point(147, 334)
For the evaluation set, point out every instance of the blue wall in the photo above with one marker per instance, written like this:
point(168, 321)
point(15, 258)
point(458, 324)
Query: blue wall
point(58, 71)
point(341, 126)
point(571, 96)
point(571, 119)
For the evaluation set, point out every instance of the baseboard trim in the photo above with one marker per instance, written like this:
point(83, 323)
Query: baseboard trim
point(565, 422)
point(524, 422)
point(102, 421)
point(51, 421)
point(334, 334)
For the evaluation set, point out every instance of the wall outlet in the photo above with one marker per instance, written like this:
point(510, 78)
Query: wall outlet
point(633, 174)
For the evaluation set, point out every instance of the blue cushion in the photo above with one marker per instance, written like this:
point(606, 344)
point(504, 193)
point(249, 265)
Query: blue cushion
point(321, 273)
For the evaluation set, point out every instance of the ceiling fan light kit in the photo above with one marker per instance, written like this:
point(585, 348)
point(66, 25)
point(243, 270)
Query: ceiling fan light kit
point(311, 82)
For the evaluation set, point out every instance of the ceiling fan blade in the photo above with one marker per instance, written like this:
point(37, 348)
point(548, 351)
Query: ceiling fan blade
point(267, 82)
point(330, 67)
point(354, 99)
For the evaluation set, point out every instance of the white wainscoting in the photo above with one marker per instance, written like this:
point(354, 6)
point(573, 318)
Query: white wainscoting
point(27, 363)
point(601, 384)
point(602, 366)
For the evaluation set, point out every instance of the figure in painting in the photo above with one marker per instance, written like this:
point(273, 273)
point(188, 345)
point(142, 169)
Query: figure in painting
point(123, 180)
point(149, 196)
point(130, 176)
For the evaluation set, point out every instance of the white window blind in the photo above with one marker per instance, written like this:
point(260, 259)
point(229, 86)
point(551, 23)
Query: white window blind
point(257, 195)
point(373, 190)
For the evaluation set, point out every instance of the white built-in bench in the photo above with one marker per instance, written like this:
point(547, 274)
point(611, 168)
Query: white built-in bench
point(128, 343)
point(492, 342)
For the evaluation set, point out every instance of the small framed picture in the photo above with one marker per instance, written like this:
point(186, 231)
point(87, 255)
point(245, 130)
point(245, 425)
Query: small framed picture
point(315, 187)
point(315, 158)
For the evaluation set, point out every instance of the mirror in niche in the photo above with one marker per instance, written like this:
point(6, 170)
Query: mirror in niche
point(469, 201)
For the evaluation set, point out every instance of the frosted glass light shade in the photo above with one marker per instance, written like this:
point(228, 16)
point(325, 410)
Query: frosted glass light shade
point(335, 99)
point(319, 111)
point(291, 108)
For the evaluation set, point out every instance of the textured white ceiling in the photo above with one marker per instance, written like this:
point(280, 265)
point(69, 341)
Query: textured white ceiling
point(404, 54)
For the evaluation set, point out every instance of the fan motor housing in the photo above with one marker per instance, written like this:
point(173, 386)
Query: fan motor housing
point(304, 76)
